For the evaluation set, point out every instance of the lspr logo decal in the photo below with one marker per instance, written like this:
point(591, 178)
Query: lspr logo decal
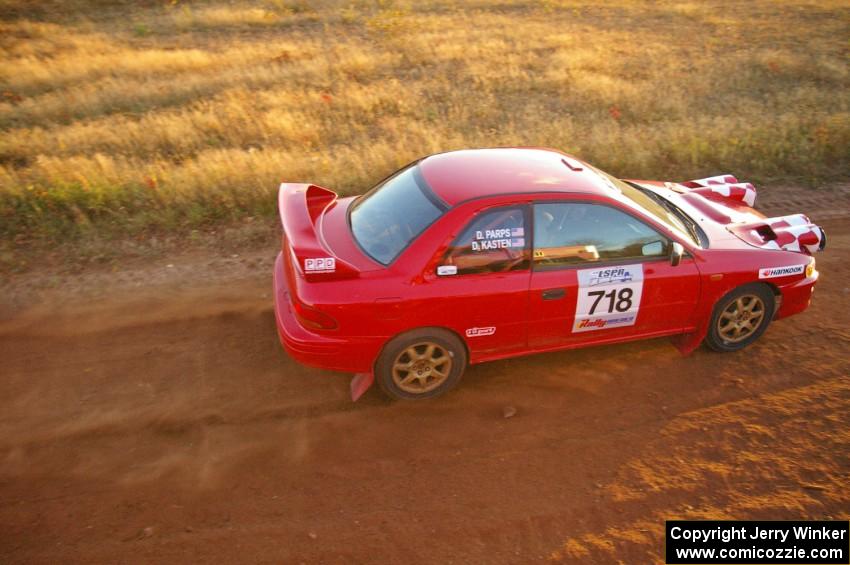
point(610, 276)
point(608, 297)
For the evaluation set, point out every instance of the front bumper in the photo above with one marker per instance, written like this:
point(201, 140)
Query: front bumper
point(796, 297)
point(350, 355)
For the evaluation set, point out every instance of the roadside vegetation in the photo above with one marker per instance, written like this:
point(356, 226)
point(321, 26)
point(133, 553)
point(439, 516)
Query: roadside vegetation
point(119, 119)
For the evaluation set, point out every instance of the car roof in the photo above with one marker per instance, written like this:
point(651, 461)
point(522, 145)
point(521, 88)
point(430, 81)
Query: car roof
point(457, 176)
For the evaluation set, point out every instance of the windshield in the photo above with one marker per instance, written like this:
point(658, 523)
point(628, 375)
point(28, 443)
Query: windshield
point(393, 214)
point(665, 212)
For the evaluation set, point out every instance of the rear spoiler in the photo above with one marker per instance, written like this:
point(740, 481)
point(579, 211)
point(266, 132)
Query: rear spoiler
point(301, 208)
point(790, 233)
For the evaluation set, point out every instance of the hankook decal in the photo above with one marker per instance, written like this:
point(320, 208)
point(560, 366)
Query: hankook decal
point(772, 272)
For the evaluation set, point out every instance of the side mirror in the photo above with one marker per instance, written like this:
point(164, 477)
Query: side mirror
point(676, 252)
point(653, 249)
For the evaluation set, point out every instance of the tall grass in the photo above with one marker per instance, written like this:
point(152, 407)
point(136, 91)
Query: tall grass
point(120, 118)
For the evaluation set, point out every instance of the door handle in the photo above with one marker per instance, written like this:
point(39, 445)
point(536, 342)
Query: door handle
point(554, 293)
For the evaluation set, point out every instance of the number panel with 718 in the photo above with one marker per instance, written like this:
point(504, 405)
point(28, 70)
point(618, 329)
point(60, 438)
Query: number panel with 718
point(483, 254)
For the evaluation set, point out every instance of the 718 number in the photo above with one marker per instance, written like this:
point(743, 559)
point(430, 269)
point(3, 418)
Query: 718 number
point(620, 301)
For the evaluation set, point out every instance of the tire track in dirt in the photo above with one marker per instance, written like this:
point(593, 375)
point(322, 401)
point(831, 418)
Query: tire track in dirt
point(167, 423)
point(819, 204)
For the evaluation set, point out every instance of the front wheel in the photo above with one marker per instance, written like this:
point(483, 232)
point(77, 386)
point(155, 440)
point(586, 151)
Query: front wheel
point(740, 317)
point(421, 364)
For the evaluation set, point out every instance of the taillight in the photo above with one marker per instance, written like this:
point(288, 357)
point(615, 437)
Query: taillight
point(312, 318)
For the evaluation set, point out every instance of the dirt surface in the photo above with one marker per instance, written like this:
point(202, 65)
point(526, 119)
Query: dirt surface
point(150, 415)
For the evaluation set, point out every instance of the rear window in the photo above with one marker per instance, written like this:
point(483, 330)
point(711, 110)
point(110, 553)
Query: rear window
point(389, 217)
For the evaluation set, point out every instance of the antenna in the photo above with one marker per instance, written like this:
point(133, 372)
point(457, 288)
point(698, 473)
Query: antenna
point(572, 164)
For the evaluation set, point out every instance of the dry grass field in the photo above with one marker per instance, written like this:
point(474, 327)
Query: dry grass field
point(148, 412)
point(127, 117)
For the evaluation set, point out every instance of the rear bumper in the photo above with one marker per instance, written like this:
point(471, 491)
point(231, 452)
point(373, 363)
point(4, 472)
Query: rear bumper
point(355, 355)
point(796, 297)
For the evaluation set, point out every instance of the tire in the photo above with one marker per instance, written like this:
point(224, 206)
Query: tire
point(735, 322)
point(422, 363)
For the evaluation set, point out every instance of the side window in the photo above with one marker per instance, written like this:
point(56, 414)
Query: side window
point(573, 233)
point(493, 242)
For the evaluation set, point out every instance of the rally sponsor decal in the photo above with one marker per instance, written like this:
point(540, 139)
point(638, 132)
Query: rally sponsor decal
point(443, 270)
point(320, 265)
point(478, 332)
point(773, 272)
point(502, 238)
point(608, 297)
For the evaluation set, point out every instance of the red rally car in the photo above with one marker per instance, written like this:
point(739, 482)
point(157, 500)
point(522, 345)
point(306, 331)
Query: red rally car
point(476, 255)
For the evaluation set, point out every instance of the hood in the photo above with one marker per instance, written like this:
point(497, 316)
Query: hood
point(724, 204)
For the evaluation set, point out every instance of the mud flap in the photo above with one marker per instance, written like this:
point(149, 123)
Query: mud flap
point(687, 343)
point(360, 384)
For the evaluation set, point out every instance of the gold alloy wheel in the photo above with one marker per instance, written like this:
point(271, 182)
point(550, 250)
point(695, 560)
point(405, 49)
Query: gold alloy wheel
point(422, 367)
point(741, 318)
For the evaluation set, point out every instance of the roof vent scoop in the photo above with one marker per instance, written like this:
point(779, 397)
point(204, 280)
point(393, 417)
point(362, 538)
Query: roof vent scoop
point(723, 187)
point(790, 233)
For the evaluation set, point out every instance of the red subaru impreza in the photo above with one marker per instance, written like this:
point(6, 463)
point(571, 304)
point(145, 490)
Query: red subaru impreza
point(475, 255)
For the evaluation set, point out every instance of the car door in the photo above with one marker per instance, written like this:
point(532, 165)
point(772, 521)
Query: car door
point(602, 274)
point(482, 279)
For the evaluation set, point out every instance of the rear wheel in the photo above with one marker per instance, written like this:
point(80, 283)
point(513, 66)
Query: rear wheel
point(740, 318)
point(421, 364)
